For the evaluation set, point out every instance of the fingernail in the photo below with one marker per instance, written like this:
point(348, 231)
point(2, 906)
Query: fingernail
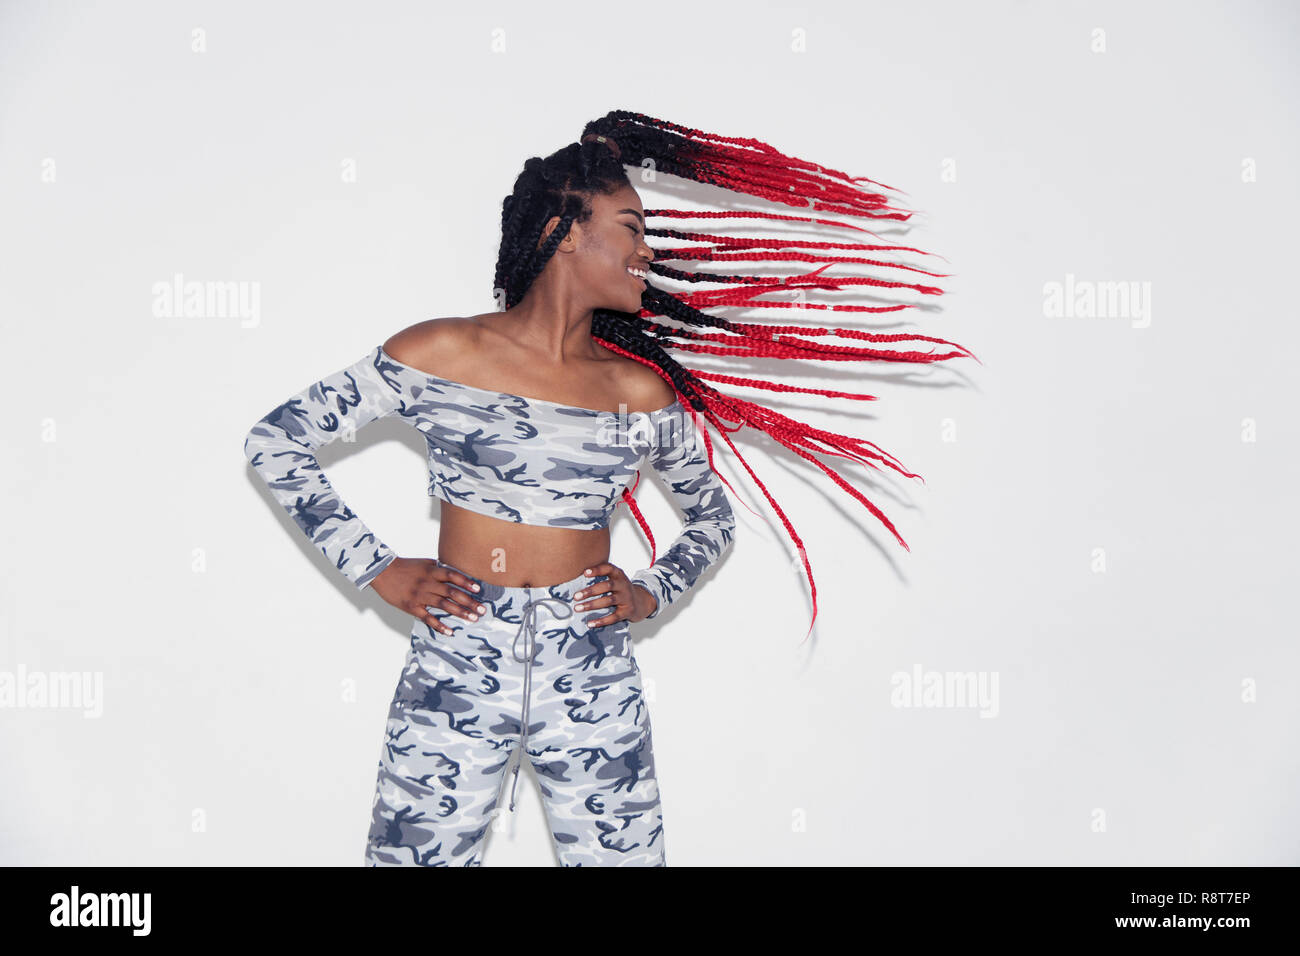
point(587, 572)
point(481, 609)
point(477, 588)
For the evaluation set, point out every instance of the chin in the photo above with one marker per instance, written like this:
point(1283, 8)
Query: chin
point(632, 304)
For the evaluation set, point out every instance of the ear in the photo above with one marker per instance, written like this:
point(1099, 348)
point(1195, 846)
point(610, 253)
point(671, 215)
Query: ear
point(547, 230)
point(569, 243)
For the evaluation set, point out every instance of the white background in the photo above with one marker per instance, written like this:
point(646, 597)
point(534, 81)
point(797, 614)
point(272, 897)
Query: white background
point(1107, 520)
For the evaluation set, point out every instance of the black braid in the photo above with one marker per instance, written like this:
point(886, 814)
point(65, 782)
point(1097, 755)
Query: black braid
point(561, 184)
point(560, 187)
point(615, 327)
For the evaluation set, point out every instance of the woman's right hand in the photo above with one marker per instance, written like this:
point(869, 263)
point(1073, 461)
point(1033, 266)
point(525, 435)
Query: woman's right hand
point(414, 585)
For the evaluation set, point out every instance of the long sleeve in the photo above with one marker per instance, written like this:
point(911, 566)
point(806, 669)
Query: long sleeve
point(710, 523)
point(281, 447)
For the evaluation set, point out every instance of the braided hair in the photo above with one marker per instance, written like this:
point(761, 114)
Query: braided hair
point(560, 185)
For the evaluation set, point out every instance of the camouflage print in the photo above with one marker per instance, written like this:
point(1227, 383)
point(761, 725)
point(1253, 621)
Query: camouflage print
point(710, 524)
point(529, 461)
point(514, 458)
point(456, 719)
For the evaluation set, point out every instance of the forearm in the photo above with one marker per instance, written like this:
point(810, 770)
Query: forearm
point(281, 447)
point(700, 545)
point(710, 523)
point(297, 482)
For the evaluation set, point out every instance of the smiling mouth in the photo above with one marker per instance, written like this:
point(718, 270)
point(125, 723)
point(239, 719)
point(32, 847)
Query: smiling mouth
point(637, 278)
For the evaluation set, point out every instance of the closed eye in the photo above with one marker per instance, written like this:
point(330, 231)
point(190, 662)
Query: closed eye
point(635, 231)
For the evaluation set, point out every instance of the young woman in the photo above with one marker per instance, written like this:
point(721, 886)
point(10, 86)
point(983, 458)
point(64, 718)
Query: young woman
point(538, 420)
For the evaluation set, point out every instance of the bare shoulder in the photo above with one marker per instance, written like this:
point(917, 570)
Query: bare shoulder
point(649, 388)
point(420, 345)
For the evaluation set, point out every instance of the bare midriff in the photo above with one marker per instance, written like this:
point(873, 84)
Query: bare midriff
point(515, 555)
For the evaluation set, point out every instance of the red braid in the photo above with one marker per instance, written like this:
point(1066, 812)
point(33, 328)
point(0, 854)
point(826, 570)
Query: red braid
point(757, 169)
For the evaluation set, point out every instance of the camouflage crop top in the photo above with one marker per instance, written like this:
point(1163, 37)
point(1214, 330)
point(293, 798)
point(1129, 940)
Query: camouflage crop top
point(514, 458)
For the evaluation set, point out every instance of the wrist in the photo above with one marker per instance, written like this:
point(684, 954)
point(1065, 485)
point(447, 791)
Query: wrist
point(649, 603)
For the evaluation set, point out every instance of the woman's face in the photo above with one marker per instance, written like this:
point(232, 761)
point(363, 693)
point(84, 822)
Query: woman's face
point(607, 247)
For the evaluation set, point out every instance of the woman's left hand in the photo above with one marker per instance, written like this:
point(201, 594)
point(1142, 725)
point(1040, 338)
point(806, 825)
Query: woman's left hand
point(626, 601)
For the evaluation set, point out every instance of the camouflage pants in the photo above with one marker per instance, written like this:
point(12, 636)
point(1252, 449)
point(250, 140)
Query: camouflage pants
point(456, 719)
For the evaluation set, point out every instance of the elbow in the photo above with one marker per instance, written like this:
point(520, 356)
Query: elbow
point(728, 529)
point(724, 524)
point(727, 515)
point(255, 440)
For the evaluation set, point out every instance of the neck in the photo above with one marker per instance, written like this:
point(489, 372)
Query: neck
point(552, 321)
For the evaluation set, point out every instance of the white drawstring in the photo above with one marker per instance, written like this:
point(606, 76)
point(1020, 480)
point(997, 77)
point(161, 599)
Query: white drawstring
point(528, 626)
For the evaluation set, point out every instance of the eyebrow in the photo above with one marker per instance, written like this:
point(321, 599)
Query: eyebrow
point(633, 212)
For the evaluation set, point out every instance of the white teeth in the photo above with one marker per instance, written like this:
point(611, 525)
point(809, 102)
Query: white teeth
point(637, 272)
